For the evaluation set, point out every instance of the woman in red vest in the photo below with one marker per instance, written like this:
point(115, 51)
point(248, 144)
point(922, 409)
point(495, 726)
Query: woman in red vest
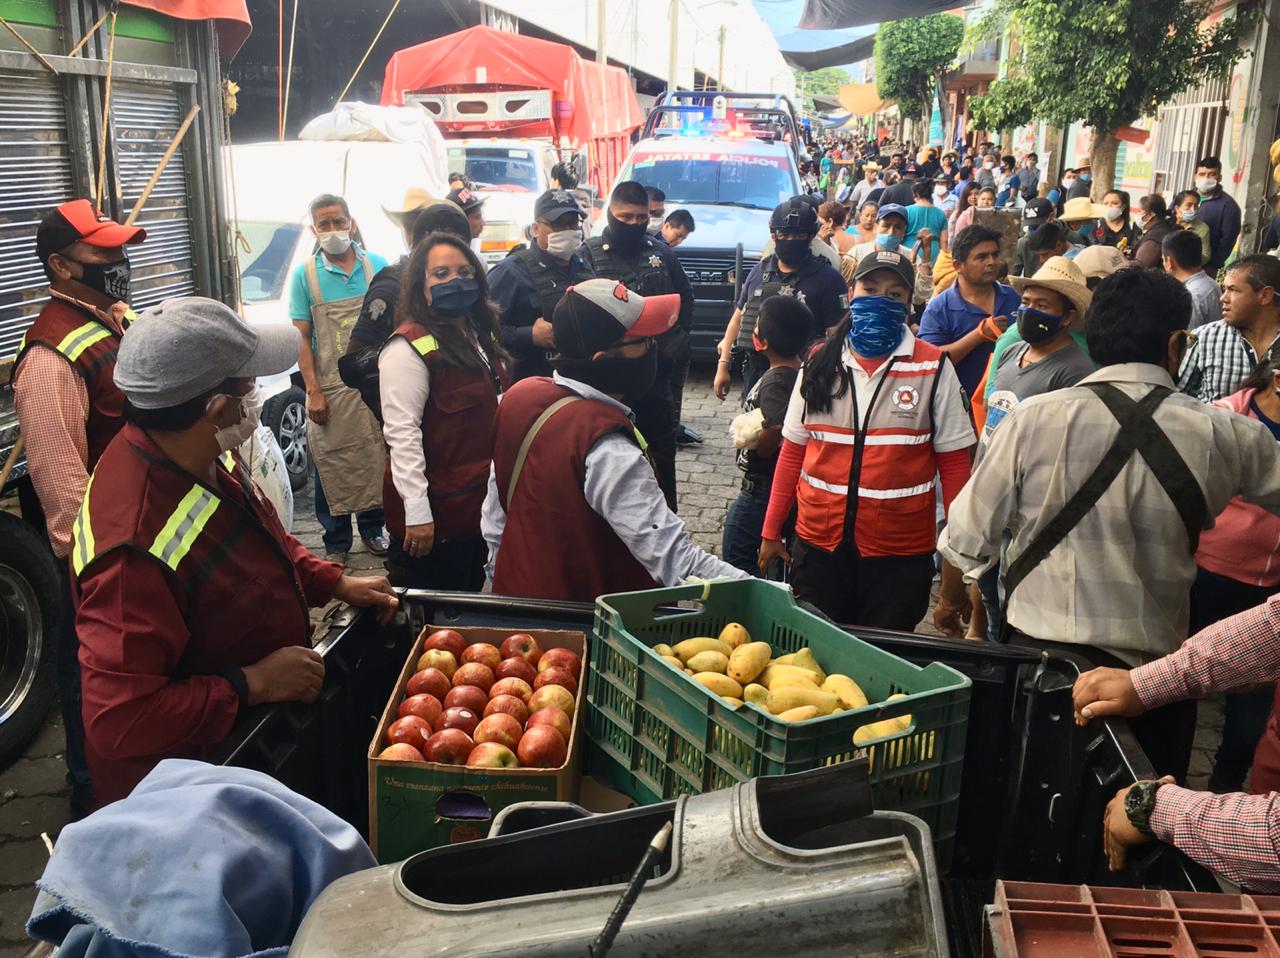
point(440, 373)
point(875, 415)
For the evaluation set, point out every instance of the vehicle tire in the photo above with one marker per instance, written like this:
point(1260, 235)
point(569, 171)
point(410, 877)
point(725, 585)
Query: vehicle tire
point(286, 415)
point(29, 602)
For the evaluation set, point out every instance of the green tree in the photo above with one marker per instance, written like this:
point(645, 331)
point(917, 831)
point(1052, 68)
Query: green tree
point(1102, 64)
point(824, 82)
point(911, 58)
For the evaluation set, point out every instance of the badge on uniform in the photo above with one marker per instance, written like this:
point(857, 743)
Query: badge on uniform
point(655, 261)
point(906, 397)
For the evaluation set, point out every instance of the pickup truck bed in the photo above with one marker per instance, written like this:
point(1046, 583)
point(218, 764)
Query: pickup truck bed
point(1032, 795)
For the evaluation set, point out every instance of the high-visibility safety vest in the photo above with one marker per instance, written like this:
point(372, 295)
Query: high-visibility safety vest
point(457, 441)
point(243, 596)
point(889, 463)
point(90, 347)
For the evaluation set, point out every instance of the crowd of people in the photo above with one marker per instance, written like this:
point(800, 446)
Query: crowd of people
point(1071, 426)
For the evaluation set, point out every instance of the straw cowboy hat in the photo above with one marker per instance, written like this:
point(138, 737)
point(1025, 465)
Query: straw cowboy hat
point(1062, 276)
point(1099, 262)
point(415, 199)
point(1079, 209)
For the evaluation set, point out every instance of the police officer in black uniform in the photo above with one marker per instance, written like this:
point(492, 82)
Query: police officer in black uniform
point(531, 281)
point(626, 252)
point(792, 270)
point(377, 321)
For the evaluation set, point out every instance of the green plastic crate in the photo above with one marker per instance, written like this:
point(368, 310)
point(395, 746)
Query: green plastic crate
point(654, 733)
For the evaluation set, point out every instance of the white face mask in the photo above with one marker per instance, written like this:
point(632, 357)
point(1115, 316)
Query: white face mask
point(564, 243)
point(335, 243)
point(940, 191)
point(1068, 181)
point(655, 226)
point(232, 437)
point(988, 165)
point(1206, 184)
point(1113, 213)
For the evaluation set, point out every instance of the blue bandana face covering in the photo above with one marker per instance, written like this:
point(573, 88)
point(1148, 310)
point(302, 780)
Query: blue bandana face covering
point(878, 325)
point(1035, 326)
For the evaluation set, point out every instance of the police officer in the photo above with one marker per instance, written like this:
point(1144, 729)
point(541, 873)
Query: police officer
point(626, 252)
point(531, 281)
point(791, 270)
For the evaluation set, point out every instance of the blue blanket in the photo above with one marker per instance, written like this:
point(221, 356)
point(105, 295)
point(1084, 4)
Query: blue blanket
point(200, 860)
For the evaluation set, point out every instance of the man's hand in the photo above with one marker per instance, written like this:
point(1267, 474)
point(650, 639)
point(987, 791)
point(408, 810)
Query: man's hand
point(993, 327)
point(418, 540)
point(1102, 692)
point(1118, 833)
point(771, 549)
point(721, 383)
point(317, 407)
point(292, 674)
point(542, 337)
point(368, 591)
point(951, 615)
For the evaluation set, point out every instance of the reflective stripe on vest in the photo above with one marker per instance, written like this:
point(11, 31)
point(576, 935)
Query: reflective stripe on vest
point(81, 338)
point(188, 520)
point(849, 439)
point(424, 345)
point(839, 490)
point(82, 544)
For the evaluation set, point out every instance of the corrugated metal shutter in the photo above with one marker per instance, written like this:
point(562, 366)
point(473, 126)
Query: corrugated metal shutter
point(35, 177)
point(146, 118)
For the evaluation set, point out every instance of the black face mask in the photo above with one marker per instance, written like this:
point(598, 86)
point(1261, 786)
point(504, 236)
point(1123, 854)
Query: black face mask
point(109, 279)
point(792, 252)
point(613, 375)
point(627, 237)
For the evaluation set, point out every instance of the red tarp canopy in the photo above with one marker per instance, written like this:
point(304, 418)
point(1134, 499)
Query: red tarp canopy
point(231, 18)
point(604, 104)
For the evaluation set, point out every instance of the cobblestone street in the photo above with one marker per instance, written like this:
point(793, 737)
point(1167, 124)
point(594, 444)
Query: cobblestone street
point(33, 796)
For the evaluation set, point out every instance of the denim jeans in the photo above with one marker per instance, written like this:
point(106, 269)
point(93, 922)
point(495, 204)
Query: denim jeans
point(337, 529)
point(742, 526)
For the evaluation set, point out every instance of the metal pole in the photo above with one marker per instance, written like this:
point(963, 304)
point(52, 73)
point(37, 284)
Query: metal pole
point(672, 64)
point(601, 55)
point(720, 75)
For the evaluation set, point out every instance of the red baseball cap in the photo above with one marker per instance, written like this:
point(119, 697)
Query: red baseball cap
point(78, 222)
point(599, 313)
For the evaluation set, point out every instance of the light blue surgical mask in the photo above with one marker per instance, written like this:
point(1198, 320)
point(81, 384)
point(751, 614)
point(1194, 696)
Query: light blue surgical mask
point(889, 241)
point(877, 325)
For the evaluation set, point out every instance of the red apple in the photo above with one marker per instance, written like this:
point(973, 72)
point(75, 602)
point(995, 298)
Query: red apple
point(449, 746)
point(561, 658)
point(517, 687)
point(492, 755)
point(426, 707)
point(412, 730)
point(448, 640)
point(468, 697)
point(556, 676)
point(510, 704)
point(501, 728)
point(401, 752)
point(429, 681)
point(473, 673)
point(516, 668)
point(554, 717)
point(438, 659)
point(481, 652)
point(555, 696)
point(542, 747)
point(522, 645)
point(459, 718)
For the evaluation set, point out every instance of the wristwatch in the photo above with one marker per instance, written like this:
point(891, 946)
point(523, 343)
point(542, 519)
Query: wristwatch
point(1139, 803)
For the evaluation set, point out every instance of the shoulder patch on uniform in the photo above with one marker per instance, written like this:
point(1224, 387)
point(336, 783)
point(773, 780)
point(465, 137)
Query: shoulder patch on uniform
point(655, 260)
point(376, 308)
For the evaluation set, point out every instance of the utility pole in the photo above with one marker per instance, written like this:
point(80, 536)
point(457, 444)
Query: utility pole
point(673, 66)
point(720, 75)
point(601, 36)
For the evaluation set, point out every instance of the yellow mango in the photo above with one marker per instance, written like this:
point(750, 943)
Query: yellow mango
point(673, 661)
point(804, 659)
point(663, 649)
point(904, 721)
point(788, 659)
point(721, 685)
point(690, 647)
point(881, 729)
point(846, 689)
point(708, 662)
point(734, 635)
point(755, 694)
point(736, 703)
point(781, 700)
point(801, 713)
point(773, 673)
point(746, 662)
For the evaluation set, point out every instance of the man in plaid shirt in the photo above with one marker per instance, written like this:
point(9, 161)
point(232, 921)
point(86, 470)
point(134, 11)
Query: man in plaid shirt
point(1235, 835)
point(1225, 352)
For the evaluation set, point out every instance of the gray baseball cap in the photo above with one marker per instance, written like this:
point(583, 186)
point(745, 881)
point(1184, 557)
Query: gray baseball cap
point(184, 347)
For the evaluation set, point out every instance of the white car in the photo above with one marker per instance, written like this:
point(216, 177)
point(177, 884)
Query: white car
point(274, 186)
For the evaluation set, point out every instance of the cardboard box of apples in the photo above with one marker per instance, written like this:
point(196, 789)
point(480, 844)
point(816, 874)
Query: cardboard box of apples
point(479, 719)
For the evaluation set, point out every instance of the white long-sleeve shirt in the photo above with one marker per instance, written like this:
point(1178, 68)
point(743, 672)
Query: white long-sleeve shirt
point(621, 488)
point(405, 384)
